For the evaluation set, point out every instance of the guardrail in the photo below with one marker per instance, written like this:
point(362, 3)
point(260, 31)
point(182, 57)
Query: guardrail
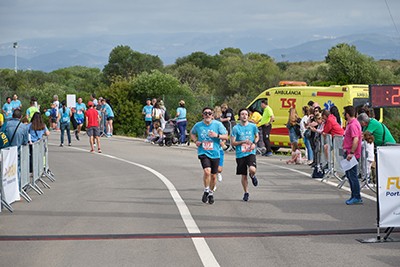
point(28, 180)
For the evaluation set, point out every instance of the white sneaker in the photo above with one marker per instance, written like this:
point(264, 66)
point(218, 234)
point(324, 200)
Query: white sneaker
point(94, 144)
point(215, 188)
point(219, 177)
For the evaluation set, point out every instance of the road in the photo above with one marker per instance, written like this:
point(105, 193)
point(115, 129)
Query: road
point(138, 204)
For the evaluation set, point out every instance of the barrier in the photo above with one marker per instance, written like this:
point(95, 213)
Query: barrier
point(40, 169)
point(363, 164)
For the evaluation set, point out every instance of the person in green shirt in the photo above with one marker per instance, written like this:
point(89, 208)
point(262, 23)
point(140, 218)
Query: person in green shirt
point(376, 128)
point(266, 120)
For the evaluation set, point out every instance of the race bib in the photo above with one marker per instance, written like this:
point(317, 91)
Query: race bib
point(208, 145)
point(148, 115)
point(246, 148)
point(79, 112)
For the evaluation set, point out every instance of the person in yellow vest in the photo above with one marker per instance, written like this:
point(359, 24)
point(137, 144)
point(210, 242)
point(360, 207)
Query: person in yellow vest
point(31, 110)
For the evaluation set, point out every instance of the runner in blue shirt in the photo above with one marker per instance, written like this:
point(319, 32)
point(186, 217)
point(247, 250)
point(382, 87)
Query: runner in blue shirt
point(16, 103)
point(245, 137)
point(79, 116)
point(209, 132)
point(147, 112)
point(109, 117)
point(8, 109)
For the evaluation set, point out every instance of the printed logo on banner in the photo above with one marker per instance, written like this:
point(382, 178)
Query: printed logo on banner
point(393, 181)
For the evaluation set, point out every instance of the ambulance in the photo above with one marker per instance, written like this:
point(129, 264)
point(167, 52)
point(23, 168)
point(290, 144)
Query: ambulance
point(298, 94)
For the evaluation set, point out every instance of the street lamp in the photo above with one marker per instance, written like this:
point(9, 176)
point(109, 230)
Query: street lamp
point(15, 46)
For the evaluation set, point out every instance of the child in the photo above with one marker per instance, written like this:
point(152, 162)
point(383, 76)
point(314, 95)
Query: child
point(296, 154)
point(53, 117)
point(157, 133)
point(25, 121)
point(369, 138)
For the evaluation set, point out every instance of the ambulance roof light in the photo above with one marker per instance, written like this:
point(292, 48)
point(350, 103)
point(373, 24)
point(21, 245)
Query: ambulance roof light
point(292, 83)
point(345, 89)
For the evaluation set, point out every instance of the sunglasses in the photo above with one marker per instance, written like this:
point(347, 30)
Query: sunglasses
point(207, 113)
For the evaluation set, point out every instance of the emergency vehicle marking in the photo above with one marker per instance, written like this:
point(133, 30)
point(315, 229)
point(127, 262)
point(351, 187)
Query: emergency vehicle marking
point(287, 92)
point(291, 102)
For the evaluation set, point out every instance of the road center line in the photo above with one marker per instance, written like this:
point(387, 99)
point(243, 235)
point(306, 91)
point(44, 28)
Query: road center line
point(205, 254)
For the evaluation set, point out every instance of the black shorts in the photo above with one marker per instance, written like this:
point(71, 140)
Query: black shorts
point(243, 163)
point(148, 123)
point(110, 118)
point(53, 120)
point(206, 162)
point(93, 131)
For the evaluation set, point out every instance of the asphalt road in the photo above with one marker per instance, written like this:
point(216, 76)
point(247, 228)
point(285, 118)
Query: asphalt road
point(138, 204)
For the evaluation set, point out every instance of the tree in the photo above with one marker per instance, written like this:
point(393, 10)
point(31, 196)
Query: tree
point(348, 66)
point(125, 62)
point(201, 60)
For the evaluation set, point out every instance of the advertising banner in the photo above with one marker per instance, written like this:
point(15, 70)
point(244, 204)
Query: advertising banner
point(389, 186)
point(10, 174)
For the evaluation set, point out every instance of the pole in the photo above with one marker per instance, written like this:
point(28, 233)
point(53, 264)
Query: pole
point(15, 47)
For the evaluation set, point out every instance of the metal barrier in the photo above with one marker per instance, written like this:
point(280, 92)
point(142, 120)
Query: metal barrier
point(40, 169)
point(363, 164)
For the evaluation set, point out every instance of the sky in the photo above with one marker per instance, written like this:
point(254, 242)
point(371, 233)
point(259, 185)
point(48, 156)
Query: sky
point(23, 19)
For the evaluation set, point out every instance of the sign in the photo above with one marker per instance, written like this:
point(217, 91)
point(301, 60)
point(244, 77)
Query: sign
point(10, 174)
point(71, 101)
point(384, 96)
point(389, 186)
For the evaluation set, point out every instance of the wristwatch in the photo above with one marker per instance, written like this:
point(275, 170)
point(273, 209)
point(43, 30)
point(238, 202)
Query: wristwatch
point(351, 153)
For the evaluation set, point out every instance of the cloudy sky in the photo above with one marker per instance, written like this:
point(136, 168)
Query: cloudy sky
point(22, 19)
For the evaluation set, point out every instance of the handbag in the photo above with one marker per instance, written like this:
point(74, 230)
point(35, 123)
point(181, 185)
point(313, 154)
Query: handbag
point(318, 171)
point(307, 133)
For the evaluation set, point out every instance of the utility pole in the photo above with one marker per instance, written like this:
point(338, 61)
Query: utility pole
point(15, 46)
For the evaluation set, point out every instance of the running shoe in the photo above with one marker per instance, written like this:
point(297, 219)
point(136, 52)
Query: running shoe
point(215, 188)
point(205, 196)
point(94, 145)
point(354, 201)
point(76, 135)
point(269, 154)
point(210, 199)
point(254, 180)
point(246, 197)
point(61, 145)
point(92, 151)
point(69, 144)
point(219, 177)
point(99, 150)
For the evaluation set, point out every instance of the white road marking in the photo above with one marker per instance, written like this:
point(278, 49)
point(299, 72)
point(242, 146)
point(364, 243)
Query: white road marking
point(204, 251)
point(309, 175)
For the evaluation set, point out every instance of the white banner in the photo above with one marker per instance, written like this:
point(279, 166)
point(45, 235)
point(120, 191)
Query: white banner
point(389, 186)
point(10, 174)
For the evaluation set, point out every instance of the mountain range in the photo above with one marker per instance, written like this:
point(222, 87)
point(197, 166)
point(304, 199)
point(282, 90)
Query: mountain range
point(51, 54)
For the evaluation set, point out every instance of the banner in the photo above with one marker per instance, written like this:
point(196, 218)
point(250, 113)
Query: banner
point(10, 174)
point(389, 186)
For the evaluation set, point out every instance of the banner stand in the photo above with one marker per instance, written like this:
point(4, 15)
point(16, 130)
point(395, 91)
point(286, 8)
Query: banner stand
point(388, 230)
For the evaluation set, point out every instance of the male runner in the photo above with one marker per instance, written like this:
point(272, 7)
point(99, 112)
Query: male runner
point(244, 137)
point(147, 111)
point(209, 132)
point(92, 126)
point(79, 111)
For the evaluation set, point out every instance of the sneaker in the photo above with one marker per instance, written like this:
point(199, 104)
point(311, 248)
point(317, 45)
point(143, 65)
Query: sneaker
point(219, 177)
point(204, 198)
point(94, 145)
point(61, 145)
point(210, 199)
point(92, 151)
point(354, 201)
point(146, 141)
point(76, 134)
point(99, 150)
point(69, 144)
point(246, 197)
point(269, 154)
point(215, 188)
point(254, 180)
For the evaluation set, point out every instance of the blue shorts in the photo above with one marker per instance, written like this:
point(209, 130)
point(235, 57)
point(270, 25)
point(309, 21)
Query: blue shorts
point(79, 120)
point(221, 158)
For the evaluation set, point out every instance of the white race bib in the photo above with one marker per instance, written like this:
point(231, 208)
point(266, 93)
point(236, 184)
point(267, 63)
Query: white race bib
point(246, 148)
point(208, 145)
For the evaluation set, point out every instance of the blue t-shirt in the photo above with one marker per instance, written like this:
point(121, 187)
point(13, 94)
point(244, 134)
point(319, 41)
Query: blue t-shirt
point(148, 110)
point(80, 110)
point(109, 110)
point(182, 114)
point(8, 108)
point(242, 133)
point(16, 104)
point(36, 135)
point(64, 115)
point(209, 145)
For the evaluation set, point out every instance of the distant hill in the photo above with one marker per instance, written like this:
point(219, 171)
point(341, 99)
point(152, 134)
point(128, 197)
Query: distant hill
point(52, 54)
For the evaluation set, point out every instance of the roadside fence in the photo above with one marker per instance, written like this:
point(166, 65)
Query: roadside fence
point(31, 173)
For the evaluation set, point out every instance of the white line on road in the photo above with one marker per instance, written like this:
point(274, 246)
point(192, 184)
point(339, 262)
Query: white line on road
point(204, 251)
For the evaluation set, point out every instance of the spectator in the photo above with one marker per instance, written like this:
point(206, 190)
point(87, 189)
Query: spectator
point(267, 119)
point(331, 127)
point(310, 104)
point(217, 113)
point(64, 117)
point(34, 100)
point(381, 134)
point(293, 125)
point(335, 112)
point(147, 112)
point(369, 139)
point(94, 100)
point(37, 129)
point(317, 136)
point(227, 118)
point(296, 154)
point(31, 110)
point(181, 121)
point(157, 114)
point(256, 117)
point(8, 109)
point(156, 134)
point(303, 128)
point(16, 103)
point(352, 148)
point(163, 119)
point(53, 117)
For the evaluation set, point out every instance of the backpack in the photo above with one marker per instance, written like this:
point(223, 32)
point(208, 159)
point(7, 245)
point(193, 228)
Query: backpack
point(65, 116)
point(318, 171)
point(166, 116)
point(5, 141)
